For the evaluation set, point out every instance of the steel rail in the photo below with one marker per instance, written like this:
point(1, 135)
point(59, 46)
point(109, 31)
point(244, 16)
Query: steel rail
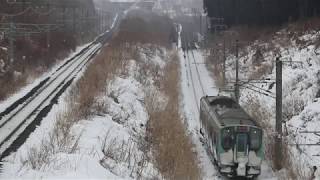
point(41, 89)
point(61, 84)
point(63, 76)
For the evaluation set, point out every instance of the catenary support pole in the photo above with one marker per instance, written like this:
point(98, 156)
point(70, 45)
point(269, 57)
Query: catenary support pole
point(278, 137)
point(224, 62)
point(237, 89)
point(11, 43)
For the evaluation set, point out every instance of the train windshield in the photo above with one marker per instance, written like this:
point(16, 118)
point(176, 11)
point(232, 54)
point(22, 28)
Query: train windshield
point(242, 142)
point(227, 138)
point(255, 138)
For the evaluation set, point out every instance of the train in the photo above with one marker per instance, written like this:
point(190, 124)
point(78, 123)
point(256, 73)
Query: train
point(231, 137)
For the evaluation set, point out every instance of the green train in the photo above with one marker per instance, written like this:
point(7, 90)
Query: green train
point(232, 138)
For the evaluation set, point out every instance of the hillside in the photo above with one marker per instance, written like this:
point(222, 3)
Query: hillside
point(298, 48)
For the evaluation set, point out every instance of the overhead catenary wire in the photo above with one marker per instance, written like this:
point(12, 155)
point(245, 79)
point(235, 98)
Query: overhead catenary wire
point(197, 70)
point(257, 91)
point(266, 91)
point(191, 76)
point(198, 73)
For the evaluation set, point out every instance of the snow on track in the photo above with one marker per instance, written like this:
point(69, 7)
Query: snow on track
point(15, 123)
point(4, 104)
point(196, 83)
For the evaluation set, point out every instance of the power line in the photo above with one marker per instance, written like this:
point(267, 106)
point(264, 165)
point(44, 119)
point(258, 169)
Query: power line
point(260, 92)
point(265, 90)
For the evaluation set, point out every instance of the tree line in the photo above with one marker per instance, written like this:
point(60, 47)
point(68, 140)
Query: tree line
point(261, 12)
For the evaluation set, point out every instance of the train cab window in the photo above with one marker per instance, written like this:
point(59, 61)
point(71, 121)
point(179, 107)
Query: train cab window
point(242, 142)
point(255, 139)
point(227, 138)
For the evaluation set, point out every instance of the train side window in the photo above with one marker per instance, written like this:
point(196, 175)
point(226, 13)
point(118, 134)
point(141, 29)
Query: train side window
point(255, 139)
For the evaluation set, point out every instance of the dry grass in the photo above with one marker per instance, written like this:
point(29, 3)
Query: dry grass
point(124, 151)
point(59, 139)
point(292, 106)
point(90, 86)
point(171, 145)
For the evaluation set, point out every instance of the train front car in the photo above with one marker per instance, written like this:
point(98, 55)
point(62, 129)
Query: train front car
point(240, 151)
point(232, 137)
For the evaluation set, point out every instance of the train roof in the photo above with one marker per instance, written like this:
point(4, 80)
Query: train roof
point(228, 111)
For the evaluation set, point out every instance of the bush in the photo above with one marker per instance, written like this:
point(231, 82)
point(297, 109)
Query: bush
point(170, 142)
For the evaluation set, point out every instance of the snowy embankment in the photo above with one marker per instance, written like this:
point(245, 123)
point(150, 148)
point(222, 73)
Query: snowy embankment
point(301, 93)
point(108, 145)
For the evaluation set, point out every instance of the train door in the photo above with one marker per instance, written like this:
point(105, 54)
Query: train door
point(241, 153)
point(241, 145)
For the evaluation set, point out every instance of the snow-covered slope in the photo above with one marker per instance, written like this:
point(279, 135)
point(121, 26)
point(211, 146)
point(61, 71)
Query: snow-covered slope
point(301, 91)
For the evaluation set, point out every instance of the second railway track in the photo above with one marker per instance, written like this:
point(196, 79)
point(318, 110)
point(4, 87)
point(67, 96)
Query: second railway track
point(19, 119)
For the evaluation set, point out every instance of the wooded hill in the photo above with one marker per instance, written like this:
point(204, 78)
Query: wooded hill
point(261, 12)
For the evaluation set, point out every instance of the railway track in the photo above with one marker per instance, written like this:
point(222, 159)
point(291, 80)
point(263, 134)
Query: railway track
point(20, 119)
point(198, 90)
point(191, 75)
point(190, 57)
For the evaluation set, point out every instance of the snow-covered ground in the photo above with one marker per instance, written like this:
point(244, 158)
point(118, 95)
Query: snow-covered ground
point(301, 91)
point(108, 145)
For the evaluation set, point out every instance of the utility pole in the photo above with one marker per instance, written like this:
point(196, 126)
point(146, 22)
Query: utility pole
point(278, 137)
point(48, 38)
point(237, 88)
point(11, 42)
point(224, 62)
point(200, 23)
